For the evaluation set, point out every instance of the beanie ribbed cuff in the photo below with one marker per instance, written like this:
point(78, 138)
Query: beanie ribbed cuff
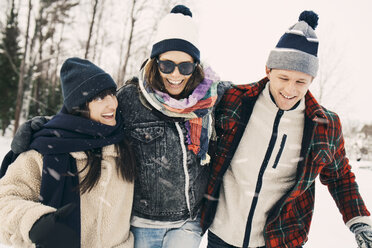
point(175, 45)
point(88, 89)
point(287, 59)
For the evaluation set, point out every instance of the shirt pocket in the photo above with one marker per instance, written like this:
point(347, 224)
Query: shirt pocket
point(322, 161)
point(148, 141)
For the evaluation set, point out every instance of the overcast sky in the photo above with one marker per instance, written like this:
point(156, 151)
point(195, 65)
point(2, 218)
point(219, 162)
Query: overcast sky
point(236, 37)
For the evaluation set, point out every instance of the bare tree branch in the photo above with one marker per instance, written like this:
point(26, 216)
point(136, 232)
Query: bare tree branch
point(91, 29)
point(129, 46)
point(22, 72)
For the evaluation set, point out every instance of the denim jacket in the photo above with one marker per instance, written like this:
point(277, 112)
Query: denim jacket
point(170, 182)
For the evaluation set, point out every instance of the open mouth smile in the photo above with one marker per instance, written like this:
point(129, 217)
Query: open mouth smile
point(108, 115)
point(175, 83)
point(287, 97)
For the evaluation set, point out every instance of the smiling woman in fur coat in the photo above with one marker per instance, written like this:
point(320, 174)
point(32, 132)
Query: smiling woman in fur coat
point(74, 188)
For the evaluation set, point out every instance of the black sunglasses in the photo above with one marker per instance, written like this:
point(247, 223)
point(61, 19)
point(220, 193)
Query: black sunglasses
point(167, 67)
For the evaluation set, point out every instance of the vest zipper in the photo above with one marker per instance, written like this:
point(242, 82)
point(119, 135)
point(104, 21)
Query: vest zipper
point(264, 164)
point(282, 144)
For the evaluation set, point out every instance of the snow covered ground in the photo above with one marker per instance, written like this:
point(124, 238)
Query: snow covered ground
point(327, 229)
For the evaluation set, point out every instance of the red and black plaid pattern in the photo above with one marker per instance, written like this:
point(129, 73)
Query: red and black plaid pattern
point(324, 155)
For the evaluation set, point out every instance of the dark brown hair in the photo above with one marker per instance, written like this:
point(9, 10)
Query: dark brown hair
point(125, 162)
point(153, 78)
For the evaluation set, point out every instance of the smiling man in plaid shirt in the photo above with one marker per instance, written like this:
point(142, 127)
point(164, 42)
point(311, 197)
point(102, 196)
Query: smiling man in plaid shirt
point(274, 139)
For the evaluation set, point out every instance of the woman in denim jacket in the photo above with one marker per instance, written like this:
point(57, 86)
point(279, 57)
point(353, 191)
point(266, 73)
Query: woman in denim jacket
point(168, 118)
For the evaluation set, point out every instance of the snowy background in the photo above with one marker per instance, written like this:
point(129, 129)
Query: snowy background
point(235, 39)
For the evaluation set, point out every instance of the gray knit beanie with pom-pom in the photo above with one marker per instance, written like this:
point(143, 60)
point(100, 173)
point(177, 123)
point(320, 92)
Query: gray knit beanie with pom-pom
point(297, 49)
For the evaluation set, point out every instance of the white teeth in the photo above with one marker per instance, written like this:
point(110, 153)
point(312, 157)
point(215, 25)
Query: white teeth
point(287, 97)
point(108, 114)
point(175, 82)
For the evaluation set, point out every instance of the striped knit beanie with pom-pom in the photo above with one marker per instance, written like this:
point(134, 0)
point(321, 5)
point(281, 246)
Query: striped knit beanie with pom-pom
point(297, 49)
point(177, 31)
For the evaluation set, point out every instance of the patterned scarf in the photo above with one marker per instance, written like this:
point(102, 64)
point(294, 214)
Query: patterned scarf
point(196, 109)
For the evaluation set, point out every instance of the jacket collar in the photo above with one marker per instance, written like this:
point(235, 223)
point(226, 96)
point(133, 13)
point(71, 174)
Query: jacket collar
point(313, 109)
point(254, 89)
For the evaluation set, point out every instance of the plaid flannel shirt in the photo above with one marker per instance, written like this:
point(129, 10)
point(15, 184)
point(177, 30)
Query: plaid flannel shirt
point(322, 154)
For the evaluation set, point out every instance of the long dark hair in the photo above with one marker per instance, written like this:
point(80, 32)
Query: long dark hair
point(153, 78)
point(125, 162)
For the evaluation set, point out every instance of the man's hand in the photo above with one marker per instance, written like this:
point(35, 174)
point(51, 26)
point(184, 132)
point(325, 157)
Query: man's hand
point(363, 234)
point(22, 139)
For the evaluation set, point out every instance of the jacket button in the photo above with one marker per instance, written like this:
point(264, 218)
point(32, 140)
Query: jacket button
point(144, 202)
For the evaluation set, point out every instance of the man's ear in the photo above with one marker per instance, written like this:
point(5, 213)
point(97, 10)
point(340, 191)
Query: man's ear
point(267, 71)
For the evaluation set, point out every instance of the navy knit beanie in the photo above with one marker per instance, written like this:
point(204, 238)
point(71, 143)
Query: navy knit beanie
point(297, 49)
point(177, 32)
point(81, 80)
